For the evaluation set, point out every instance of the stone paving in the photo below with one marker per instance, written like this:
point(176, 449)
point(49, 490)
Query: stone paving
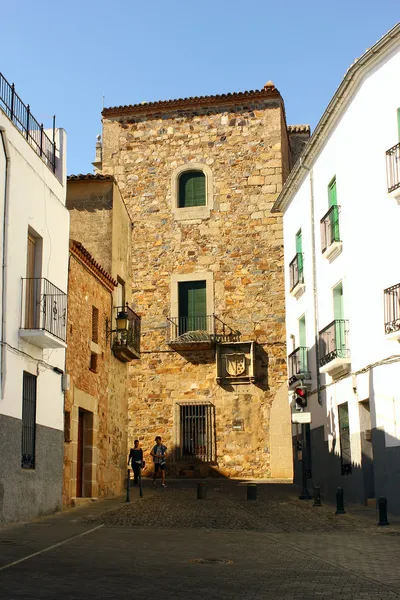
point(266, 549)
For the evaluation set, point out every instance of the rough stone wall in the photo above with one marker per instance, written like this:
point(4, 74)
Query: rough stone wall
point(85, 291)
point(241, 244)
point(90, 204)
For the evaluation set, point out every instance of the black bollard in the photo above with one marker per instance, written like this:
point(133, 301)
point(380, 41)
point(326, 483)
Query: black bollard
point(340, 502)
point(201, 491)
point(128, 487)
point(317, 495)
point(251, 491)
point(382, 505)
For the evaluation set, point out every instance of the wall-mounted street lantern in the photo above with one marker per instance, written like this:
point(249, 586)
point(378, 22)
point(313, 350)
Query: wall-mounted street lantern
point(122, 323)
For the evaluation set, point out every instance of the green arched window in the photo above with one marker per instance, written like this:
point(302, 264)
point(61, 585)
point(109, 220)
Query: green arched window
point(192, 189)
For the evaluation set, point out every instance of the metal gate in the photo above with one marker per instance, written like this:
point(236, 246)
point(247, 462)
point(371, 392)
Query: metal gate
point(28, 421)
point(197, 436)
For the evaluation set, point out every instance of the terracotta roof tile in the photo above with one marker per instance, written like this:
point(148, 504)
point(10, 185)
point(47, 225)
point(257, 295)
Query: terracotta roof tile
point(147, 108)
point(89, 261)
point(89, 176)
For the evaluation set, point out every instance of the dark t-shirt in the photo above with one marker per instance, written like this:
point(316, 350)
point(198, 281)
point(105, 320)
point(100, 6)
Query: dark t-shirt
point(136, 454)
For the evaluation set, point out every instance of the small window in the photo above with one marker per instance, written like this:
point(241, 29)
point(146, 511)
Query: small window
point(95, 325)
point(28, 421)
point(93, 362)
point(192, 189)
point(344, 432)
point(197, 432)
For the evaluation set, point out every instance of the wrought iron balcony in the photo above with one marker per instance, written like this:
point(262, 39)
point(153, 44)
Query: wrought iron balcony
point(333, 346)
point(21, 116)
point(200, 332)
point(298, 365)
point(43, 314)
point(296, 271)
point(126, 343)
point(392, 311)
point(393, 168)
point(331, 244)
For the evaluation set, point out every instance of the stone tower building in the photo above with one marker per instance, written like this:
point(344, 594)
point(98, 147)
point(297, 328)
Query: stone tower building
point(199, 177)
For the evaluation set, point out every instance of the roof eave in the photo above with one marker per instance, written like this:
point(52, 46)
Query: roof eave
point(331, 115)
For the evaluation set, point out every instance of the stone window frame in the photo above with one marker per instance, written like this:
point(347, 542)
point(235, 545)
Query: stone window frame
point(191, 212)
point(177, 278)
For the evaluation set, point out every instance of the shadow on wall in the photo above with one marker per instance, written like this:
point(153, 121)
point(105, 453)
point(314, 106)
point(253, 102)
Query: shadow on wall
point(332, 465)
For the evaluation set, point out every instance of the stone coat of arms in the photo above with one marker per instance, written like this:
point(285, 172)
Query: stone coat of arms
point(235, 364)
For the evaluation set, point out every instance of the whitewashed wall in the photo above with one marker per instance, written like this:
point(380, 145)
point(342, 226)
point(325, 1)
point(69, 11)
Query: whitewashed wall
point(369, 227)
point(36, 200)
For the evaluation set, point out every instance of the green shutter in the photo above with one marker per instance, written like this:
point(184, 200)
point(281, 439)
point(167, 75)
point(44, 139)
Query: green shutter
point(192, 306)
point(332, 197)
point(299, 252)
point(303, 344)
point(192, 189)
point(338, 315)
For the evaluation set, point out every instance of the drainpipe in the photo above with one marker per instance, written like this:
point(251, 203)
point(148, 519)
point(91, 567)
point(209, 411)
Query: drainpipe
point(4, 264)
point(314, 269)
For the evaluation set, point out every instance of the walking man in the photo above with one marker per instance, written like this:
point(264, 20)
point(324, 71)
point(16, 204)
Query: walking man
point(159, 454)
point(136, 459)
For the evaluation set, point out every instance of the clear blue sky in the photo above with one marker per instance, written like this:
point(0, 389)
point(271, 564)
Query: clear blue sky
point(64, 56)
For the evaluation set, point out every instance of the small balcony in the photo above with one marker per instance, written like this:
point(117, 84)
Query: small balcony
point(392, 312)
point(333, 346)
point(126, 342)
point(296, 274)
point(298, 367)
point(331, 244)
point(393, 171)
point(43, 314)
point(199, 332)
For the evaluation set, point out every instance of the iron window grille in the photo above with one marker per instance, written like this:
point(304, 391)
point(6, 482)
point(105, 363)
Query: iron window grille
point(296, 271)
point(44, 306)
point(28, 421)
point(330, 231)
point(298, 364)
point(393, 168)
point(20, 115)
point(334, 341)
point(197, 432)
point(392, 309)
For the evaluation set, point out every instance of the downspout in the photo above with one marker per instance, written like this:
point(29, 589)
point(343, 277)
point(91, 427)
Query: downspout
point(4, 265)
point(314, 270)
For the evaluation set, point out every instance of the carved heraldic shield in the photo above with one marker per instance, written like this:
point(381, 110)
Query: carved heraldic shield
point(235, 364)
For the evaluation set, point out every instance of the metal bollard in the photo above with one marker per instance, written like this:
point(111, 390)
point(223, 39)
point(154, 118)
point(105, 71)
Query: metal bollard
point(317, 495)
point(251, 491)
point(201, 491)
point(382, 505)
point(128, 487)
point(340, 502)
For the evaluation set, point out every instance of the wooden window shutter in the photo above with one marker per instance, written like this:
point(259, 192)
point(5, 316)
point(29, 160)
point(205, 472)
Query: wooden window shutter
point(95, 325)
point(192, 189)
point(332, 197)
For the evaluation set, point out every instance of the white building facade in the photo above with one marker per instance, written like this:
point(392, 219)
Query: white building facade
point(34, 225)
point(341, 206)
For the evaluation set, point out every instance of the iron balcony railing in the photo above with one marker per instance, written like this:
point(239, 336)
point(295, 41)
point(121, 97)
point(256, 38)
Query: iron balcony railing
point(129, 338)
point(296, 271)
point(393, 167)
point(334, 341)
point(298, 364)
point(330, 231)
point(21, 116)
point(392, 308)
point(202, 328)
point(44, 306)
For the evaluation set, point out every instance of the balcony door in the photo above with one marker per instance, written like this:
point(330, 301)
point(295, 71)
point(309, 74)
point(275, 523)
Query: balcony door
point(302, 344)
point(334, 214)
point(31, 293)
point(299, 253)
point(338, 315)
point(192, 306)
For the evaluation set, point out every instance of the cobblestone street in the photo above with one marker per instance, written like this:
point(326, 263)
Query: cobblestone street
point(171, 545)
